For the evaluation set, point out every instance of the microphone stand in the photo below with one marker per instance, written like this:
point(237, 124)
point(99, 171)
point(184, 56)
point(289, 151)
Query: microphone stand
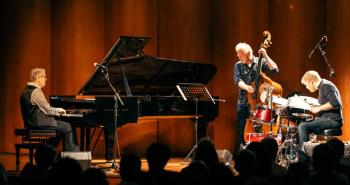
point(116, 98)
point(270, 89)
point(331, 71)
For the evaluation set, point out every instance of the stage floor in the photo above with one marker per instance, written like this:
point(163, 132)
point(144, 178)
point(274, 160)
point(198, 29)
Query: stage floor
point(9, 162)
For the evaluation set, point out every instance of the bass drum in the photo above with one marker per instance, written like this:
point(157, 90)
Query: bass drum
point(257, 137)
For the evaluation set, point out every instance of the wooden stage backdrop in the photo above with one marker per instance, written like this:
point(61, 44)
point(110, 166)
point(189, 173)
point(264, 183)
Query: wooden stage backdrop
point(67, 36)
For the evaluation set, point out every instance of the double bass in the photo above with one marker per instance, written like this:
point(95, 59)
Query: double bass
point(262, 118)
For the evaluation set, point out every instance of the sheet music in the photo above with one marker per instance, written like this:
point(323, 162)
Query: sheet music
point(310, 100)
point(298, 102)
point(279, 100)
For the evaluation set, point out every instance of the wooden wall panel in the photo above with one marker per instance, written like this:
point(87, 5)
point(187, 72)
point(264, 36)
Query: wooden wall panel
point(296, 26)
point(185, 30)
point(67, 37)
point(77, 42)
point(25, 44)
point(235, 21)
point(132, 18)
point(338, 29)
point(185, 33)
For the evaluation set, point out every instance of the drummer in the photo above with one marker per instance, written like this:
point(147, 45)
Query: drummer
point(329, 110)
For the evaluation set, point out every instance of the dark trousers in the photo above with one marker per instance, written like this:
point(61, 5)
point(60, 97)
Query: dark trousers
point(243, 113)
point(64, 131)
point(315, 126)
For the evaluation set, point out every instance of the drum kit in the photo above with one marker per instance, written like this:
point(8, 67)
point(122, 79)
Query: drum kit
point(285, 114)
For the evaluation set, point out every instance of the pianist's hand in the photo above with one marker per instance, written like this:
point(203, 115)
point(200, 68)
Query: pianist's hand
point(61, 111)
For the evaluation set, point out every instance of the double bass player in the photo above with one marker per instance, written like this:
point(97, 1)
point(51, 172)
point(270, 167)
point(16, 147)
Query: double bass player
point(245, 72)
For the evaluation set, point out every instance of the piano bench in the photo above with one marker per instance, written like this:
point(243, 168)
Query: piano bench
point(31, 139)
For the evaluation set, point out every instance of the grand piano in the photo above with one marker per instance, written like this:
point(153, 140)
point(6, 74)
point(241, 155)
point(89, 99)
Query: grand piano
point(146, 86)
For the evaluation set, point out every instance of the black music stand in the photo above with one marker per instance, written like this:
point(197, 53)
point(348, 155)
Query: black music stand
point(194, 92)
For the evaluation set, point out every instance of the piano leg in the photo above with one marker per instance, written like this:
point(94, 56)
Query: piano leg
point(88, 137)
point(109, 131)
point(82, 138)
point(74, 129)
point(202, 128)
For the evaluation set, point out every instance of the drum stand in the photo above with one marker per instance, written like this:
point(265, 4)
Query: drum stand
point(288, 151)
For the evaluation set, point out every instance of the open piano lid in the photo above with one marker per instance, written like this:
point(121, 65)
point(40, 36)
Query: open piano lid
point(146, 75)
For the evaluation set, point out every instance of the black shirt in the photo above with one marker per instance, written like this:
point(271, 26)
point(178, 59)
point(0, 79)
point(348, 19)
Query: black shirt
point(328, 92)
point(247, 74)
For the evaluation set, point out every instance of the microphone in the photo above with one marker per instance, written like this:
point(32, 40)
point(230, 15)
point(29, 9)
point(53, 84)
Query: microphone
point(99, 65)
point(317, 45)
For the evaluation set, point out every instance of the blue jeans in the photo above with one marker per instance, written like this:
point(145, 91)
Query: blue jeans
point(315, 126)
point(243, 112)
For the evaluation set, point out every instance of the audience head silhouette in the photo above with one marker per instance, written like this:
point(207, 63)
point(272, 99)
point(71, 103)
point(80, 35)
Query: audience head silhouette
point(271, 147)
point(324, 158)
point(264, 166)
point(157, 156)
point(45, 156)
point(65, 171)
point(3, 175)
point(338, 146)
point(94, 176)
point(245, 163)
point(130, 167)
point(221, 174)
point(206, 152)
point(298, 173)
point(195, 173)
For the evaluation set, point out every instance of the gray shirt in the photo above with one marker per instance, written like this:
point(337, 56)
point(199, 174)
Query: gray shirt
point(38, 98)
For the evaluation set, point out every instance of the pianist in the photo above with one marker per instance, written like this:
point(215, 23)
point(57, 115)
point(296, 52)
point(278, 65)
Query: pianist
point(329, 109)
point(36, 111)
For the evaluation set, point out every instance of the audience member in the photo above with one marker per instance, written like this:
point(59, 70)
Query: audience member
point(339, 147)
point(271, 149)
point(195, 173)
point(297, 174)
point(264, 168)
point(130, 171)
point(94, 176)
point(221, 174)
point(44, 158)
point(66, 171)
point(206, 152)
point(158, 155)
point(3, 175)
point(324, 161)
point(245, 164)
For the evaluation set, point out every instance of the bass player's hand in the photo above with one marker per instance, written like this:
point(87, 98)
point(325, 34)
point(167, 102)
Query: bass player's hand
point(249, 88)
